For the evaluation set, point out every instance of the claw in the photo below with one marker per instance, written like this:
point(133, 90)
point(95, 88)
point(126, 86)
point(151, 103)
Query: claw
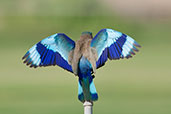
point(93, 76)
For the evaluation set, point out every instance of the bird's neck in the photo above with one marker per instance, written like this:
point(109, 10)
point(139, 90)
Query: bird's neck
point(86, 36)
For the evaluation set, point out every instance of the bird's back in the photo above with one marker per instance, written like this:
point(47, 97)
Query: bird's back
point(82, 61)
point(82, 49)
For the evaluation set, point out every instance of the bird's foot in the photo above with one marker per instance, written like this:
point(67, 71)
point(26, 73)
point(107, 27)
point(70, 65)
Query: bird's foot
point(93, 76)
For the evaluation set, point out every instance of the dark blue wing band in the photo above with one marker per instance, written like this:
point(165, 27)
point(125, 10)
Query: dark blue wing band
point(49, 57)
point(113, 45)
point(53, 50)
point(112, 52)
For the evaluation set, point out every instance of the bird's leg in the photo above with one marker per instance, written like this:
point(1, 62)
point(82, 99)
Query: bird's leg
point(92, 71)
point(92, 74)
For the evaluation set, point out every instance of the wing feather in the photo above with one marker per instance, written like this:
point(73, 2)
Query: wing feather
point(53, 50)
point(113, 45)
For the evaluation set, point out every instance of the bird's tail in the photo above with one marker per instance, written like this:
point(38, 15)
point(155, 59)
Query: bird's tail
point(86, 89)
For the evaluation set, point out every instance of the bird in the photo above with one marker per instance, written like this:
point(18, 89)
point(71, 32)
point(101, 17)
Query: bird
point(82, 57)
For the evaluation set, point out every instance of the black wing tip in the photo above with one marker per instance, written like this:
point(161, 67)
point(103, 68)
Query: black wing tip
point(29, 63)
point(128, 56)
point(135, 49)
point(26, 55)
point(23, 57)
point(26, 60)
point(33, 66)
point(136, 44)
point(132, 53)
point(139, 46)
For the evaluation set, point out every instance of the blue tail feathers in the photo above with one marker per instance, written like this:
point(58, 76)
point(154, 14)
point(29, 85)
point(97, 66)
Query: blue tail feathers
point(93, 92)
point(86, 87)
point(87, 90)
point(80, 92)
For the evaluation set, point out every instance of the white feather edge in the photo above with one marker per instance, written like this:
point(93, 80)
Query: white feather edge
point(113, 36)
point(50, 41)
point(34, 55)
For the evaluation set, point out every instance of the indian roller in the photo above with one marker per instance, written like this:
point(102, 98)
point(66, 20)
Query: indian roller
point(82, 57)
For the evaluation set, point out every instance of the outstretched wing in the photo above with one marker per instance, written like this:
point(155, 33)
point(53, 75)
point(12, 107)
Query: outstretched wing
point(53, 50)
point(113, 45)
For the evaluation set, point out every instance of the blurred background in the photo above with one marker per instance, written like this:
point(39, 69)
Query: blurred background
point(141, 85)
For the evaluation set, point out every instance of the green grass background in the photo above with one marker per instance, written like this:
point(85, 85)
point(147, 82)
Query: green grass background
point(141, 85)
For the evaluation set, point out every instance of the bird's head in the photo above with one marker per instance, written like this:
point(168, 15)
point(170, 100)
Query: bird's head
point(86, 35)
